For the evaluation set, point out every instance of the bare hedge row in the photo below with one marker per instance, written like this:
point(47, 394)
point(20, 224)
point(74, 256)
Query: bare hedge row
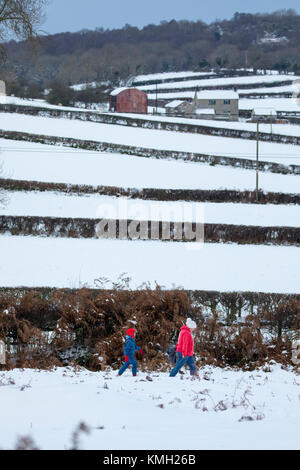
point(196, 195)
point(151, 153)
point(241, 86)
point(131, 229)
point(149, 124)
point(201, 76)
point(87, 328)
point(42, 308)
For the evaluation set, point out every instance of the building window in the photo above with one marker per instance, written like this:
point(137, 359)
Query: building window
point(211, 101)
point(226, 101)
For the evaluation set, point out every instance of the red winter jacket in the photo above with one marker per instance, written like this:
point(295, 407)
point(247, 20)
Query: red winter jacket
point(185, 343)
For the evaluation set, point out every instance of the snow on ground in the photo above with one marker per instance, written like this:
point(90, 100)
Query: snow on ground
point(268, 90)
point(283, 129)
point(149, 138)
point(215, 82)
point(84, 86)
point(38, 162)
point(169, 76)
point(213, 411)
point(47, 163)
point(54, 204)
point(277, 103)
point(280, 104)
point(39, 103)
point(66, 262)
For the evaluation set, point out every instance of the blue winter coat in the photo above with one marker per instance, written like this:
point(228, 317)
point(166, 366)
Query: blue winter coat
point(130, 347)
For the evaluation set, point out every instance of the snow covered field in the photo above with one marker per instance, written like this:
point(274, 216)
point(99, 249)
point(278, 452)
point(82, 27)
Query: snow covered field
point(282, 129)
point(222, 409)
point(280, 104)
point(149, 138)
point(38, 162)
point(219, 82)
point(268, 90)
point(169, 76)
point(39, 103)
point(55, 204)
point(188, 74)
point(66, 262)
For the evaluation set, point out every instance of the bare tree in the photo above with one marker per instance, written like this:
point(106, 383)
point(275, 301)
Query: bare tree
point(21, 18)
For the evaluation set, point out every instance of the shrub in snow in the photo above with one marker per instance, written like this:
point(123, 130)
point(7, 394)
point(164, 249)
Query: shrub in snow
point(49, 327)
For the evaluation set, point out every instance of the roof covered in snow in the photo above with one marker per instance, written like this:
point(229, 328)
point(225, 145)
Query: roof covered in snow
point(174, 104)
point(119, 90)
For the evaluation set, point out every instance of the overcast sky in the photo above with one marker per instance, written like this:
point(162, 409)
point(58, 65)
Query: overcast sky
point(74, 15)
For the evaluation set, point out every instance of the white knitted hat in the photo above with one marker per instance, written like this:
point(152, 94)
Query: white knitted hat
point(190, 323)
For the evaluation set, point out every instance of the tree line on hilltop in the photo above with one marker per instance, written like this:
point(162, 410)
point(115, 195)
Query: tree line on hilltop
point(110, 57)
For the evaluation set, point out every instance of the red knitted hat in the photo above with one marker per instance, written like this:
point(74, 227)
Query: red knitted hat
point(131, 332)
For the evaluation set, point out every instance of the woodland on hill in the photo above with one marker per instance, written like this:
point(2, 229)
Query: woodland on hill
point(262, 41)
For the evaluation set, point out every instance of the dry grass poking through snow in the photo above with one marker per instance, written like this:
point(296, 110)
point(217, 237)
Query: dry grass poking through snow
point(68, 408)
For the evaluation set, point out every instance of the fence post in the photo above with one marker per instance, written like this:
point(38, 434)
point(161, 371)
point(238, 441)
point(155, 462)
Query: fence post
point(2, 353)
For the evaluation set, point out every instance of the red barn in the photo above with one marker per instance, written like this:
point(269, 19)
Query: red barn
point(128, 100)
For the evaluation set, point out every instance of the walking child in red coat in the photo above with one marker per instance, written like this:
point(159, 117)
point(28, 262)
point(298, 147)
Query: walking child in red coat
point(185, 348)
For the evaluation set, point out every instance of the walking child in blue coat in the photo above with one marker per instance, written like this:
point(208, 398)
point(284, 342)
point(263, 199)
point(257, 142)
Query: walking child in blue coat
point(129, 350)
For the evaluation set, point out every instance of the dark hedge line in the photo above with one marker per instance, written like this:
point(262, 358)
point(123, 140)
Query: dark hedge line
point(202, 76)
point(196, 195)
point(291, 116)
point(186, 78)
point(87, 326)
point(214, 302)
point(270, 94)
point(149, 124)
point(87, 228)
point(150, 153)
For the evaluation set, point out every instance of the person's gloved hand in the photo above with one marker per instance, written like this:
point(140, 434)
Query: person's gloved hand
point(126, 359)
point(141, 351)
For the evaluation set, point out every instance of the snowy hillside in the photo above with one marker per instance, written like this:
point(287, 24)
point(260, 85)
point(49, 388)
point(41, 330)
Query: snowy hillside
point(54, 204)
point(149, 231)
point(147, 138)
point(41, 162)
point(250, 81)
point(38, 162)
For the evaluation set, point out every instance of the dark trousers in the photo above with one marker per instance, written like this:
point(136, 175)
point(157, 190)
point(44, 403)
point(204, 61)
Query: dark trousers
point(181, 361)
point(127, 364)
